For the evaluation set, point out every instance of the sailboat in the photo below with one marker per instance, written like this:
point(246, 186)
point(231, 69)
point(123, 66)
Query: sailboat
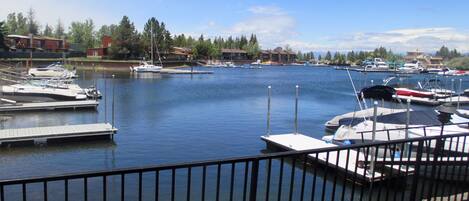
point(149, 67)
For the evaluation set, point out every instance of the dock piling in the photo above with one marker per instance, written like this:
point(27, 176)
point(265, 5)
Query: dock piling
point(452, 89)
point(113, 90)
point(269, 94)
point(296, 110)
point(105, 99)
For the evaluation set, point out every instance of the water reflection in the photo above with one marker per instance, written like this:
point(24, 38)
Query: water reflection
point(145, 75)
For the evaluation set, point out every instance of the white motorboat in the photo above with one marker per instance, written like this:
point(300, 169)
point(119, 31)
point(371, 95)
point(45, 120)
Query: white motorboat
point(377, 64)
point(451, 72)
point(55, 70)
point(146, 67)
point(257, 62)
point(32, 93)
point(391, 127)
point(411, 67)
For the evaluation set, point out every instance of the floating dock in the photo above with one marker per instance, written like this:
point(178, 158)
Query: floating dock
point(49, 105)
point(299, 142)
point(39, 134)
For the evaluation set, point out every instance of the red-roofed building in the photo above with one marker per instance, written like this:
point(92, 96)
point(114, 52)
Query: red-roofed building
point(106, 43)
point(35, 43)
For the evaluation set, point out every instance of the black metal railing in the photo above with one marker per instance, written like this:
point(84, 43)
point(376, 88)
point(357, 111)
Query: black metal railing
point(406, 169)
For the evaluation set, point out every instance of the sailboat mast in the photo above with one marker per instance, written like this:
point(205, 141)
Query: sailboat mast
point(152, 61)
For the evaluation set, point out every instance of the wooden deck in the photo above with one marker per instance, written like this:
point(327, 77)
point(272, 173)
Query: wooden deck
point(56, 132)
point(49, 105)
point(299, 142)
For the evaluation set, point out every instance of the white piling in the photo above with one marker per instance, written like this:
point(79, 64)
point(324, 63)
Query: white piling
point(269, 94)
point(113, 92)
point(105, 99)
point(296, 110)
point(452, 89)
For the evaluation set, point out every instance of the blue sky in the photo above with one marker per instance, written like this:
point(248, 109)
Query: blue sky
point(304, 25)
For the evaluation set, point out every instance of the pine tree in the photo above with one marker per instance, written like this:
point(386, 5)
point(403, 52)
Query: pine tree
point(328, 56)
point(47, 31)
point(59, 30)
point(33, 27)
point(125, 40)
point(2, 36)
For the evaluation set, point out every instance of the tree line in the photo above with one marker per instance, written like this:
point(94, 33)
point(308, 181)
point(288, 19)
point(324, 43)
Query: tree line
point(128, 42)
point(206, 48)
point(350, 57)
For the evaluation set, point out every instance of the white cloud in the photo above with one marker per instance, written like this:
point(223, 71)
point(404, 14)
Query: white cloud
point(271, 25)
point(266, 10)
point(401, 40)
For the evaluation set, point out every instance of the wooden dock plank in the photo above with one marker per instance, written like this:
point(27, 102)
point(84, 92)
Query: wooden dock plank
point(300, 142)
point(49, 105)
point(54, 132)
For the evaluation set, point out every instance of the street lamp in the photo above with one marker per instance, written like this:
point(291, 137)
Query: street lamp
point(445, 111)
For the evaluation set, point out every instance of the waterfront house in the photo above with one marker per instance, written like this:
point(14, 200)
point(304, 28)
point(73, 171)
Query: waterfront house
point(179, 53)
point(20, 43)
point(233, 54)
point(278, 55)
point(100, 52)
point(425, 60)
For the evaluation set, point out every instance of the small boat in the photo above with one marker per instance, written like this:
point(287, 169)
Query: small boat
point(414, 93)
point(146, 67)
point(351, 129)
point(378, 92)
point(257, 62)
point(375, 65)
point(55, 70)
point(34, 93)
point(450, 72)
point(333, 124)
point(411, 67)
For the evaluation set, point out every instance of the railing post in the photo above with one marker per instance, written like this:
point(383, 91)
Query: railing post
point(439, 142)
point(407, 122)
point(373, 137)
point(413, 191)
point(254, 175)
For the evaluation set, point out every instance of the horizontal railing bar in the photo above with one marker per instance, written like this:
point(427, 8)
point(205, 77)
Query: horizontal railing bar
point(133, 170)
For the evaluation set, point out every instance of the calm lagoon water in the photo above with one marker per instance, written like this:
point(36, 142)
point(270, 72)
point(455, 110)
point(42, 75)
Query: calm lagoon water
point(175, 118)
